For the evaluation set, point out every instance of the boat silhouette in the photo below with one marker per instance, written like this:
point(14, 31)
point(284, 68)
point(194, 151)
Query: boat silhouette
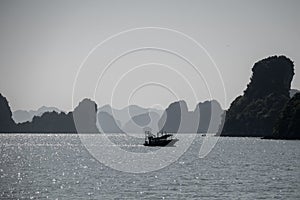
point(161, 139)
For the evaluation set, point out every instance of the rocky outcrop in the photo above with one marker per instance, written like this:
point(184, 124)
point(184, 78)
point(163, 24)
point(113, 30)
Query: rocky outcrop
point(255, 113)
point(7, 125)
point(85, 117)
point(206, 117)
point(288, 124)
point(211, 116)
point(172, 120)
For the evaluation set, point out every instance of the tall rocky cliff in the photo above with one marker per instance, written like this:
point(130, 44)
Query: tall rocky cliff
point(85, 116)
point(206, 117)
point(255, 112)
point(288, 124)
point(7, 125)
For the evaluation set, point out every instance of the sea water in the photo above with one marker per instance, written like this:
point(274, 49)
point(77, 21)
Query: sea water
point(58, 166)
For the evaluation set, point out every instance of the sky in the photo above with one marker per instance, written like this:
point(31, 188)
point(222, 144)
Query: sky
point(51, 52)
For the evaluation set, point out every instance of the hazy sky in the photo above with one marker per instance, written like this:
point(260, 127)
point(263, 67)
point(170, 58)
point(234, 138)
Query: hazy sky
point(43, 43)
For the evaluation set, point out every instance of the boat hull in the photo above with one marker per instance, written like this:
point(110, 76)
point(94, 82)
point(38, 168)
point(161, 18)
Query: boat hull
point(161, 143)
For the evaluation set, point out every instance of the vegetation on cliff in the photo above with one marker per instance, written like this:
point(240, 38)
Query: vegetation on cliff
point(255, 112)
point(288, 124)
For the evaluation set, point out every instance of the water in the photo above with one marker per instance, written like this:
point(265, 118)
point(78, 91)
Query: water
point(59, 167)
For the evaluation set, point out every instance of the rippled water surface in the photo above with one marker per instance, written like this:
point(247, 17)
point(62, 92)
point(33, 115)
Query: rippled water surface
point(59, 167)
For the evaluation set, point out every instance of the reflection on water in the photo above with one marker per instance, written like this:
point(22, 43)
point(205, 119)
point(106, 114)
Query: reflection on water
point(59, 166)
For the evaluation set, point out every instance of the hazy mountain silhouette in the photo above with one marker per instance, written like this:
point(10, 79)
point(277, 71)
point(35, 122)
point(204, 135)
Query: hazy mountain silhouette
point(137, 124)
point(211, 116)
point(255, 113)
point(176, 114)
point(125, 114)
point(20, 116)
point(288, 124)
point(171, 118)
point(177, 118)
point(107, 124)
point(128, 119)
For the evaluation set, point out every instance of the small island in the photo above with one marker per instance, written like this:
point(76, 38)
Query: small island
point(265, 108)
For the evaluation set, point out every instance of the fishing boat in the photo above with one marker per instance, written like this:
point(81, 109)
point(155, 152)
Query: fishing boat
point(161, 139)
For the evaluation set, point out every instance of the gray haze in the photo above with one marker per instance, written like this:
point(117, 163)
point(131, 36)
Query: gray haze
point(44, 42)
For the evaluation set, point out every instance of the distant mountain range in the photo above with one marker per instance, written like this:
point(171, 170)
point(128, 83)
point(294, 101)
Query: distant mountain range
point(82, 119)
point(20, 116)
point(269, 108)
point(139, 123)
point(108, 124)
point(124, 115)
point(131, 119)
point(175, 119)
